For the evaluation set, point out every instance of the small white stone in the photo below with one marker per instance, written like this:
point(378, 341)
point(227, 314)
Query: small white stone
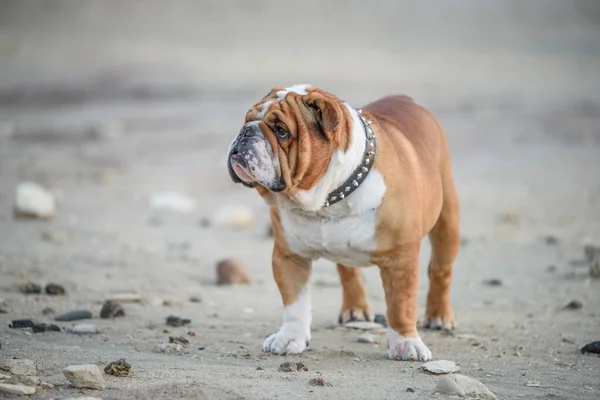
point(532, 384)
point(33, 200)
point(84, 376)
point(17, 389)
point(463, 386)
point(366, 338)
point(441, 367)
point(127, 298)
point(82, 329)
point(169, 348)
point(172, 201)
point(20, 367)
point(237, 217)
point(363, 325)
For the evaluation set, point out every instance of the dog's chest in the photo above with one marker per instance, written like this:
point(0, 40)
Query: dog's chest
point(348, 240)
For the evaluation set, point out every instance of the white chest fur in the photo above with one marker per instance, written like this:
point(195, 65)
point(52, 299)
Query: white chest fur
point(342, 233)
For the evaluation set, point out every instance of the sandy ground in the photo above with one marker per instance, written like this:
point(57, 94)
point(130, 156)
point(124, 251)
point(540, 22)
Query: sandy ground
point(516, 89)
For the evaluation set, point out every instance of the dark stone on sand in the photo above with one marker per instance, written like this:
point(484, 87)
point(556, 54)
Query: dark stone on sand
point(54, 289)
point(195, 299)
point(21, 323)
point(176, 321)
point(179, 340)
point(118, 368)
point(574, 305)
point(41, 327)
point(292, 367)
point(31, 288)
point(493, 282)
point(593, 347)
point(111, 309)
point(380, 319)
point(74, 315)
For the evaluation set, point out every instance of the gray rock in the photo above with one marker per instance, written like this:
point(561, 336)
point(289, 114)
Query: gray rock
point(31, 380)
point(111, 309)
point(366, 338)
point(363, 325)
point(82, 329)
point(33, 200)
point(17, 389)
point(463, 386)
point(20, 367)
point(74, 315)
point(440, 367)
point(84, 376)
point(169, 348)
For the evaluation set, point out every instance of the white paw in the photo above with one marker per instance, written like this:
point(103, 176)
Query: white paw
point(407, 348)
point(286, 342)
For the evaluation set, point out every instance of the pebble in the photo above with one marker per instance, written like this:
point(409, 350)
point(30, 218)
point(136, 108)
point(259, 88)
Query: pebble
point(232, 272)
point(292, 367)
point(172, 201)
point(551, 240)
point(318, 382)
point(17, 389)
point(82, 329)
point(118, 368)
point(231, 216)
point(380, 319)
point(33, 200)
point(20, 366)
point(74, 315)
point(31, 380)
point(54, 289)
point(574, 305)
point(176, 321)
point(48, 311)
point(410, 390)
point(532, 384)
point(84, 376)
point(127, 298)
point(169, 348)
point(440, 367)
point(21, 323)
point(260, 369)
point(30, 288)
point(366, 338)
point(195, 300)
point(41, 327)
point(112, 309)
point(493, 282)
point(593, 347)
point(463, 386)
point(180, 340)
point(363, 325)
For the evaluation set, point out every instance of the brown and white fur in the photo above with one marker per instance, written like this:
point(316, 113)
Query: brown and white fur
point(300, 143)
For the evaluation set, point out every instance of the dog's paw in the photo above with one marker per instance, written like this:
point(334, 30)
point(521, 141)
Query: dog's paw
point(286, 342)
point(355, 314)
point(407, 348)
point(438, 323)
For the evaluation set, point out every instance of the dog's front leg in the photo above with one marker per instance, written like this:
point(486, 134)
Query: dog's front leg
point(292, 275)
point(400, 277)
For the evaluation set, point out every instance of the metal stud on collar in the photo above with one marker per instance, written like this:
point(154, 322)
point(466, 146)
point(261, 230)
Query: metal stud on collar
point(361, 172)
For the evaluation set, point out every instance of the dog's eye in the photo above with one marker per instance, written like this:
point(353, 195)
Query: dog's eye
point(282, 133)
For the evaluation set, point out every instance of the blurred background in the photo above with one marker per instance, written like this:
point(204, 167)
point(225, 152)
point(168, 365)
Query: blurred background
point(123, 111)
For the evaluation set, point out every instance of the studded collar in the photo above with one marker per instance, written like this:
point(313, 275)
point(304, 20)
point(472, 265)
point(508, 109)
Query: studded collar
point(360, 173)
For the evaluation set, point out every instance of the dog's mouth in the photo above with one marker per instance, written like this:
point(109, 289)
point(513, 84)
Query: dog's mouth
point(241, 169)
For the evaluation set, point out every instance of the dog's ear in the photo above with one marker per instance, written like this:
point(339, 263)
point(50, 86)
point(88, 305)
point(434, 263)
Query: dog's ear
point(327, 113)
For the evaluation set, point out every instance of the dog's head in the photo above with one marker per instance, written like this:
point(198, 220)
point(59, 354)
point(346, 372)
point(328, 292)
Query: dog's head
point(289, 138)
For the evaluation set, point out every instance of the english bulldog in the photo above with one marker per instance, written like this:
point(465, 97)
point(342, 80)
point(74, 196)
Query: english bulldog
point(358, 187)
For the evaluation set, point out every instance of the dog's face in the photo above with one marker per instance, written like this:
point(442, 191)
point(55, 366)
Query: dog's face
point(288, 139)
